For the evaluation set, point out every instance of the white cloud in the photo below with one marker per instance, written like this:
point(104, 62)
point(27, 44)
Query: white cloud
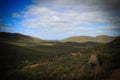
point(58, 17)
point(110, 27)
point(44, 16)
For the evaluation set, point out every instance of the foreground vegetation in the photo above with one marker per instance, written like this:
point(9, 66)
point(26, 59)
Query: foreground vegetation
point(54, 63)
point(44, 60)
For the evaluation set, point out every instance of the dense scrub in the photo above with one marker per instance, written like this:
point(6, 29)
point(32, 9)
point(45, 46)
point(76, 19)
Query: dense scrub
point(109, 52)
point(54, 60)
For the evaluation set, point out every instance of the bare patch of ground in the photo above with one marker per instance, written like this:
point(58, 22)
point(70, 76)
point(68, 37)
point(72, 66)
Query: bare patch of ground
point(30, 66)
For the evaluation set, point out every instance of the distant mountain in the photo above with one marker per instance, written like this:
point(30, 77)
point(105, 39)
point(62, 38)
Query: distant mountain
point(82, 39)
point(17, 37)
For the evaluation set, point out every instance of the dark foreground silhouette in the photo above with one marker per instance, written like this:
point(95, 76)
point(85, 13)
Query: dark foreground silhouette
point(115, 75)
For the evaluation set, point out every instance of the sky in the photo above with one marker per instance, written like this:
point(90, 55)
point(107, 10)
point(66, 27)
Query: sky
point(59, 19)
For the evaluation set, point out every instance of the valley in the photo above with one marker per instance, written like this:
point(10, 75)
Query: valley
point(28, 58)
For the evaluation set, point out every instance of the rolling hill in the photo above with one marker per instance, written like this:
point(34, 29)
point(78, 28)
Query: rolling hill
point(15, 45)
point(16, 48)
point(17, 37)
point(54, 58)
point(21, 47)
point(83, 39)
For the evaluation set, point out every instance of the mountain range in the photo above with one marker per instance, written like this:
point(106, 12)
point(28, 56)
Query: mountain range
point(82, 39)
point(18, 51)
point(77, 39)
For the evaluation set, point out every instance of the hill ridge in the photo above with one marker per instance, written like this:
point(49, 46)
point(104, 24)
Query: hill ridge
point(82, 39)
point(77, 39)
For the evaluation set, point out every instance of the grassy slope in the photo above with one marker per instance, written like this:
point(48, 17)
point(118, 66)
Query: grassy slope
point(17, 48)
point(15, 53)
point(82, 39)
point(54, 59)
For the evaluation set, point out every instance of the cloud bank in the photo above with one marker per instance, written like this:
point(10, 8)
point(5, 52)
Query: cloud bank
point(73, 17)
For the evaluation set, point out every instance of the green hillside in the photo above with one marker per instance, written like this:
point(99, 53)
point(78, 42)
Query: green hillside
point(18, 51)
point(28, 58)
point(16, 37)
point(82, 39)
point(17, 48)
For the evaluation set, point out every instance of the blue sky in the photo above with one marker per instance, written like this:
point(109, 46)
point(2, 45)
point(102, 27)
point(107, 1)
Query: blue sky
point(57, 19)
